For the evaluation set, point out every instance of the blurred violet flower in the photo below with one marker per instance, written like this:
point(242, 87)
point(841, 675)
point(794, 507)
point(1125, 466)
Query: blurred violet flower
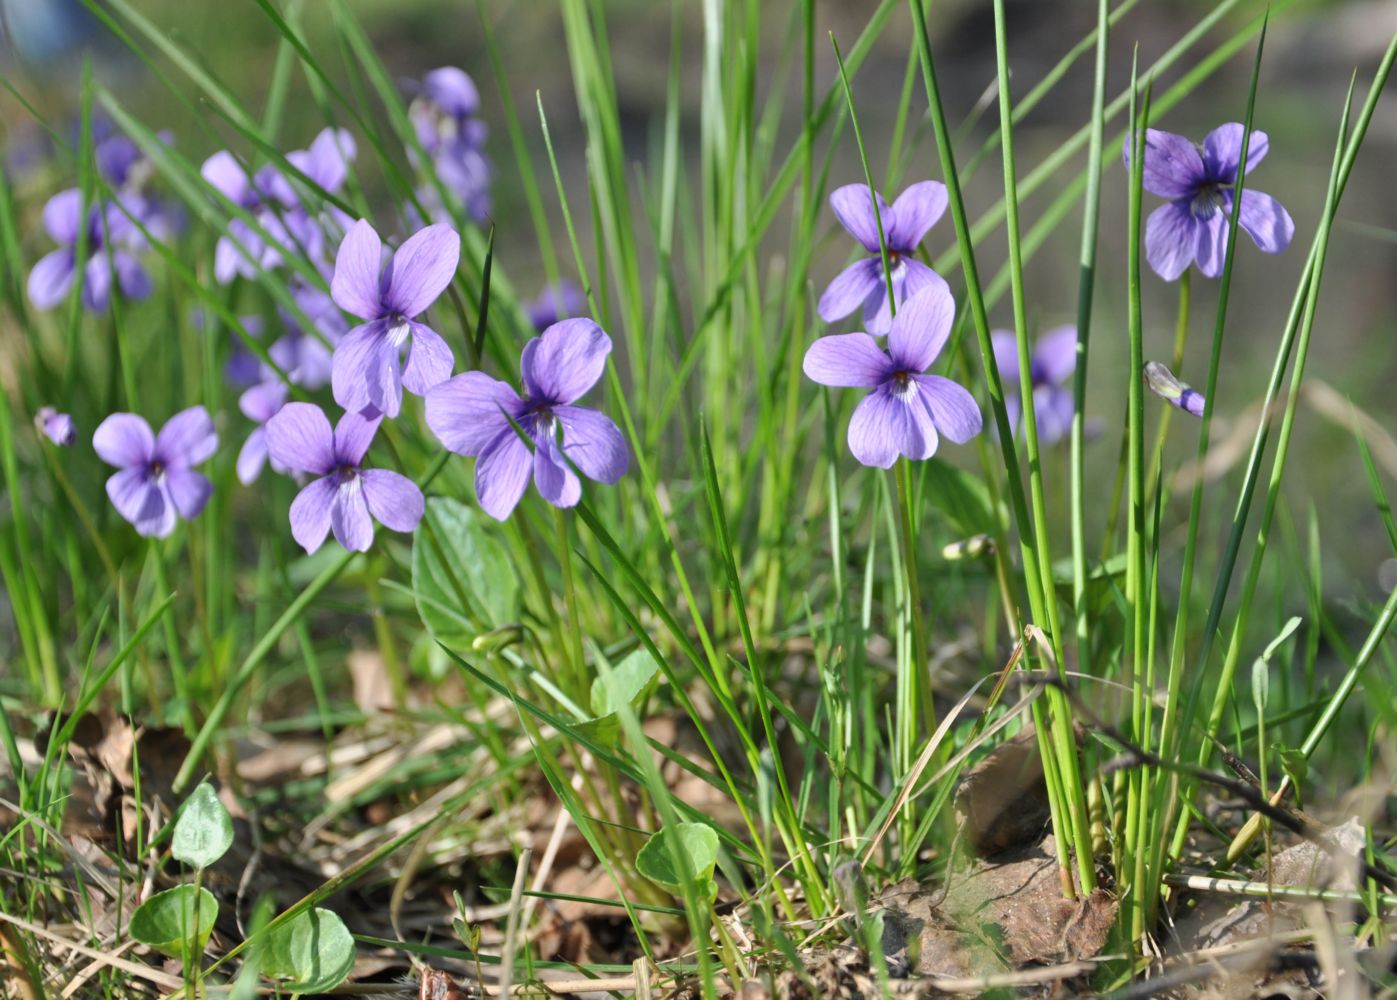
point(242, 368)
point(1166, 386)
point(27, 149)
point(556, 302)
point(444, 116)
point(368, 369)
point(300, 353)
point(344, 495)
point(156, 483)
point(471, 415)
point(53, 275)
point(273, 202)
point(259, 404)
point(57, 427)
point(1199, 183)
point(905, 222)
point(242, 250)
point(907, 411)
point(1051, 364)
point(326, 162)
point(129, 172)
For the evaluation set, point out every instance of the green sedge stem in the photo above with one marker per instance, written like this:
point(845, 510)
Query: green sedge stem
point(1085, 290)
point(574, 647)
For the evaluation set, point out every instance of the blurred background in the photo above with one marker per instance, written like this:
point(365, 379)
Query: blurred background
point(1312, 50)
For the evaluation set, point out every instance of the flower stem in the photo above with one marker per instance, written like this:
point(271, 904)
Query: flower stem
point(921, 678)
point(1180, 341)
point(574, 648)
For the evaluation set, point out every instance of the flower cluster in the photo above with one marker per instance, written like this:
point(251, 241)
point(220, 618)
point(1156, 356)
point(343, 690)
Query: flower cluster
point(541, 434)
point(111, 242)
point(281, 225)
point(906, 411)
point(443, 114)
point(112, 229)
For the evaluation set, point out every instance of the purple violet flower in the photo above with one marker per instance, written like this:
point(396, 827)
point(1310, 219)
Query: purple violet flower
point(905, 222)
point(368, 369)
point(473, 414)
point(555, 302)
point(344, 495)
point(907, 411)
point(53, 275)
point(1199, 183)
point(1051, 364)
point(156, 483)
point(259, 404)
point(57, 427)
point(1163, 383)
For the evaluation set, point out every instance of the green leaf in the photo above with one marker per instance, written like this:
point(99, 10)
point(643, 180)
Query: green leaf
point(204, 830)
point(627, 683)
point(176, 922)
point(696, 843)
point(960, 496)
point(462, 576)
point(314, 951)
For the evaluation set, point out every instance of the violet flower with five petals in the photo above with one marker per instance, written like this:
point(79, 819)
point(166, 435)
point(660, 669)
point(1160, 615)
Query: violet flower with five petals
point(368, 369)
point(345, 497)
point(156, 483)
point(473, 414)
point(1051, 364)
point(905, 223)
point(907, 411)
point(1199, 183)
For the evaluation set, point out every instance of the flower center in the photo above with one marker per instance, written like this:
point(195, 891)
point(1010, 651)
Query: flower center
point(1207, 201)
point(901, 384)
point(345, 473)
point(157, 470)
point(398, 330)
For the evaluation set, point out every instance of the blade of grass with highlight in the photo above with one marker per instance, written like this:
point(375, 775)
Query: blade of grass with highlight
point(1064, 743)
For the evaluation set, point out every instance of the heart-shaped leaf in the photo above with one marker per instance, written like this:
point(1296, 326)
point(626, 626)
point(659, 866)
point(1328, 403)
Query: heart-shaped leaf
point(964, 499)
point(204, 830)
point(176, 922)
point(696, 843)
point(314, 951)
